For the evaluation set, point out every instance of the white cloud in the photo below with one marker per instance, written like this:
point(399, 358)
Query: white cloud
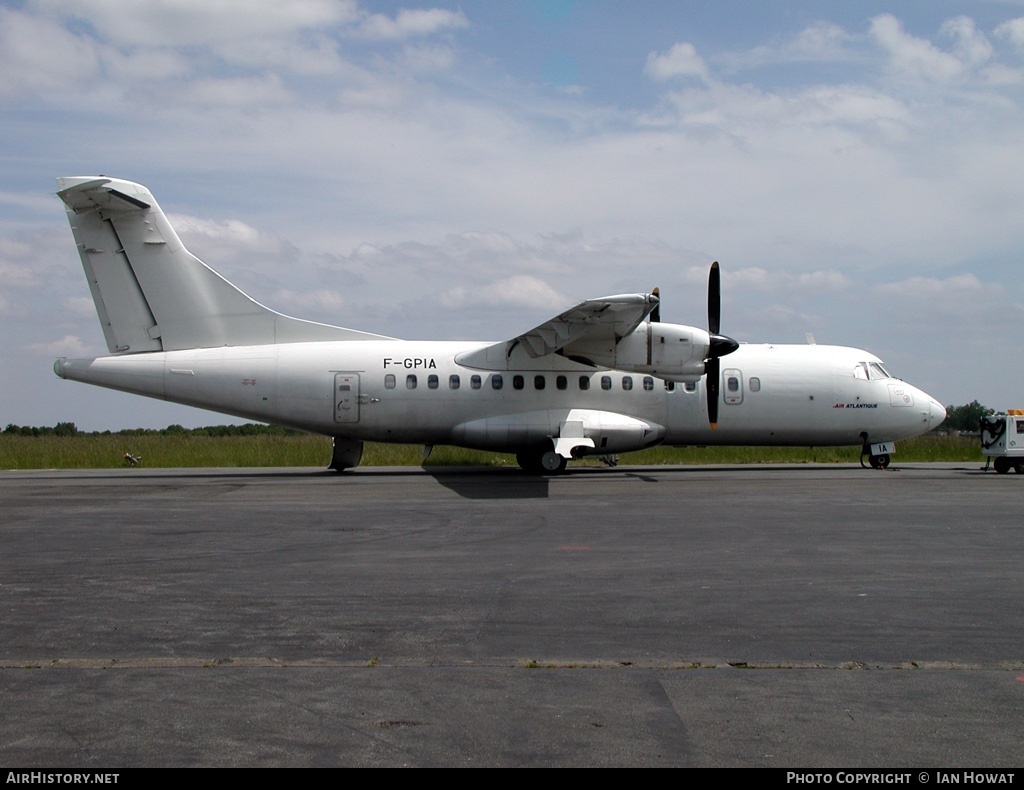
point(262, 91)
point(232, 231)
point(411, 22)
point(1013, 31)
point(518, 291)
point(67, 346)
point(794, 285)
point(163, 23)
point(80, 306)
point(969, 43)
point(13, 275)
point(321, 301)
point(821, 42)
point(915, 57)
point(40, 56)
point(933, 289)
point(681, 60)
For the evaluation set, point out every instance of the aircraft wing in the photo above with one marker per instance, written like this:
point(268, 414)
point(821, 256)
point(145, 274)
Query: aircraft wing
point(600, 322)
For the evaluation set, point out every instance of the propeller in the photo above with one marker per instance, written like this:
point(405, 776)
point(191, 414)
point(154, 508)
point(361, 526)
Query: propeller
point(656, 312)
point(719, 345)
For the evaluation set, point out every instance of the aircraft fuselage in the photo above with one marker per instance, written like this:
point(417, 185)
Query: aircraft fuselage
point(418, 392)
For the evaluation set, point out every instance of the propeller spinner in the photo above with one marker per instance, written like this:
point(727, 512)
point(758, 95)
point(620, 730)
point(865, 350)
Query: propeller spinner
point(719, 346)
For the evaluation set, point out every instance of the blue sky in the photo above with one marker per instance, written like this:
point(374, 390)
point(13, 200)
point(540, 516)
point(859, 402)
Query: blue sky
point(466, 170)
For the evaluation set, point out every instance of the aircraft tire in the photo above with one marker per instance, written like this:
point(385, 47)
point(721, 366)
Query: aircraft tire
point(553, 463)
point(535, 462)
point(880, 461)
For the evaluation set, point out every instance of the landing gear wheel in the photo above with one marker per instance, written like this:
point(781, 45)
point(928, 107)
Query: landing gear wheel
point(1002, 464)
point(879, 461)
point(553, 463)
point(535, 462)
point(1019, 467)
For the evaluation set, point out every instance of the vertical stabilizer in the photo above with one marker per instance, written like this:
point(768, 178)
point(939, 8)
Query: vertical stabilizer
point(151, 293)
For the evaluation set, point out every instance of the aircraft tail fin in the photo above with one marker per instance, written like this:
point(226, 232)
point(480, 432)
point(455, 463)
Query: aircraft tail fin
point(151, 293)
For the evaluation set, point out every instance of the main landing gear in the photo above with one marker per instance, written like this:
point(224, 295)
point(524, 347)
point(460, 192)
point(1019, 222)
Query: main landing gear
point(541, 462)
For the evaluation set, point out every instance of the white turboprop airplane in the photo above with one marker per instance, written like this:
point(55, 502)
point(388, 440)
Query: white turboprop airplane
point(606, 376)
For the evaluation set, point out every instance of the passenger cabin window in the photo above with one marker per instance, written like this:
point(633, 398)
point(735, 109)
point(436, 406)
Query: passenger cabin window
point(606, 382)
point(517, 382)
point(539, 382)
point(584, 382)
point(432, 381)
point(755, 384)
point(627, 382)
point(561, 382)
point(454, 382)
point(410, 381)
point(475, 382)
point(389, 381)
point(497, 382)
point(732, 384)
point(690, 386)
point(648, 383)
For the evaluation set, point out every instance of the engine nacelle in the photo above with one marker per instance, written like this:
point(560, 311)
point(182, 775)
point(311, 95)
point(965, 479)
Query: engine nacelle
point(669, 351)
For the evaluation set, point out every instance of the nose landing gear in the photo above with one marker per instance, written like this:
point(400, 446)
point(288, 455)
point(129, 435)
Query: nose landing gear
point(879, 461)
point(878, 455)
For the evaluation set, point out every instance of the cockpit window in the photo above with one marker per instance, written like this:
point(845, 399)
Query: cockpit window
point(878, 371)
point(871, 370)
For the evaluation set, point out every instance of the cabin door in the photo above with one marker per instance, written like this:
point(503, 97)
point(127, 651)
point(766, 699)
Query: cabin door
point(346, 397)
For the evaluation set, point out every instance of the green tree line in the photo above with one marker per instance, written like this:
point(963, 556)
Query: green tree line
point(69, 429)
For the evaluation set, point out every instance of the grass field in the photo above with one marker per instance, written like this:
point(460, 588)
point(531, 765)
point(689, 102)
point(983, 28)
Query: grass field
point(90, 451)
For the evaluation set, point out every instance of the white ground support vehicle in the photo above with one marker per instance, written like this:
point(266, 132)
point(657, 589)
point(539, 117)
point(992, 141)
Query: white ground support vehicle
point(1002, 440)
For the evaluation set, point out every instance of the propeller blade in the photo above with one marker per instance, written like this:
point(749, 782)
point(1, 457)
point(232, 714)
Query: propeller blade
point(656, 312)
point(715, 299)
point(713, 373)
point(718, 346)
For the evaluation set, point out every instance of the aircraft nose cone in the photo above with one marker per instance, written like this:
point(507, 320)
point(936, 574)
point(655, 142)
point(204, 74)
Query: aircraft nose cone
point(936, 413)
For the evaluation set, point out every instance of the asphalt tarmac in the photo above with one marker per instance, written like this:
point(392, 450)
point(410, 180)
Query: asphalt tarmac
point(778, 616)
